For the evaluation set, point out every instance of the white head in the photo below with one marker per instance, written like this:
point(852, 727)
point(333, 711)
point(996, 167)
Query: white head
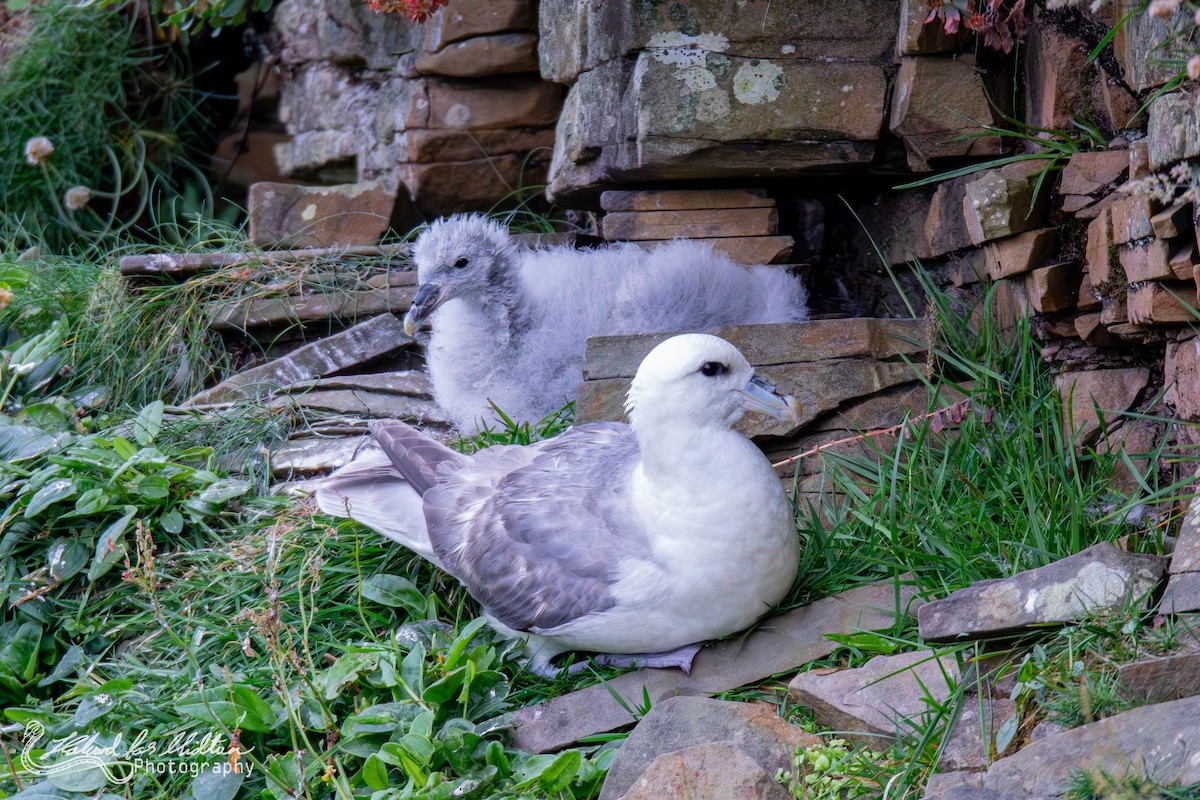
point(460, 256)
point(700, 381)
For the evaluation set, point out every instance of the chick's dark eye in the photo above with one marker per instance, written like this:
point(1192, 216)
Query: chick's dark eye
point(462, 262)
point(713, 368)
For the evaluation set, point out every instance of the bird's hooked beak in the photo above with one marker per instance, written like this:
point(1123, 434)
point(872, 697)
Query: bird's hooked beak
point(758, 395)
point(428, 297)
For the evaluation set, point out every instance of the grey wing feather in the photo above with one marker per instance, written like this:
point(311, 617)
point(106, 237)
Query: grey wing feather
point(418, 458)
point(540, 545)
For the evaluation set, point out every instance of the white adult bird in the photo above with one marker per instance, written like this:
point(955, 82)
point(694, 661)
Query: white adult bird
point(510, 324)
point(611, 538)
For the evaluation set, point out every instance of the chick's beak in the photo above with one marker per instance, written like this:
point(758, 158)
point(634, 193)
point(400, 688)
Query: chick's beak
point(428, 297)
point(758, 395)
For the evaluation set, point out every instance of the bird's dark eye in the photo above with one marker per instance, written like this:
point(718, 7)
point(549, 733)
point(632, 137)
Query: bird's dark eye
point(713, 368)
point(462, 262)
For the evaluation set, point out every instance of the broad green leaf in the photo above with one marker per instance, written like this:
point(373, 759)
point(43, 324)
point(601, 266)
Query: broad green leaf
point(374, 773)
point(219, 782)
point(18, 656)
point(412, 672)
point(92, 708)
point(43, 790)
point(394, 591)
point(1007, 732)
point(171, 522)
point(442, 690)
point(47, 416)
point(236, 706)
point(110, 548)
point(66, 557)
point(559, 776)
point(379, 718)
point(123, 447)
point(213, 498)
point(67, 665)
point(53, 492)
point(21, 442)
point(148, 423)
point(454, 655)
point(285, 776)
point(93, 501)
point(152, 487)
point(346, 669)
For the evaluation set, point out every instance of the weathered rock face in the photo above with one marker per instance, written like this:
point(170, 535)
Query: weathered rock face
point(712, 89)
point(451, 105)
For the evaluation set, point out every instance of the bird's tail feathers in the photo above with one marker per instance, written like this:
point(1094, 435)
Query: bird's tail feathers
point(416, 456)
point(372, 491)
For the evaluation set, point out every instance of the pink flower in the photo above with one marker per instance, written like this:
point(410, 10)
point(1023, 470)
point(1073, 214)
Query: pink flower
point(38, 149)
point(1193, 68)
point(77, 197)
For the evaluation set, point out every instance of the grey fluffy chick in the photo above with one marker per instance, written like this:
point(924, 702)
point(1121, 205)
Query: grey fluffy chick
point(510, 324)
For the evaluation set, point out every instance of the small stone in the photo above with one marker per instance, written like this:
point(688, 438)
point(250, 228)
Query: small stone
point(1094, 172)
point(1088, 299)
point(944, 228)
point(1113, 312)
point(1103, 264)
point(455, 186)
point(684, 199)
point(1161, 679)
point(290, 215)
point(1175, 221)
point(363, 403)
point(463, 19)
point(1148, 260)
point(1154, 303)
point(970, 743)
point(428, 146)
point(299, 458)
point(1002, 202)
point(718, 769)
point(697, 224)
point(1137, 439)
point(1101, 577)
point(936, 105)
point(1021, 253)
point(508, 101)
point(1093, 332)
point(1053, 288)
point(1139, 160)
point(256, 314)
point(481, 56)
point(1111, 391)
point(364, 342)
point(1131, 219)
point(1158, 741)
point(682, 722)
point(877, 698)
point(1181, 376)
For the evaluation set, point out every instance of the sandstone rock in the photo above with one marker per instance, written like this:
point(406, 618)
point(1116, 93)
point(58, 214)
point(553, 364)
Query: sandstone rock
point(1161, 679)
point(896, 222)
point(314, 152)
point(698, 224)
point(683, 113)
point(1103, 263)
point(427, 146)
point(291, 215)
point(579, 36)
point(1183, 258)
point(1181, 375)
point(1170, 134)
point(1094, 172)
point(1131, 219)
point(1136, 439)
point(1139, 159)
point(1021, 253)
point(1174, 221)
point(454, 186)
point(1093, 332)
point(341, 31)
point(745, 249)
point(513, 101)
point(1059, 75)
point(300, 458)
point(481, 56)
point(1098, 578)
point(683, 199)
point(1147, 260)
point(970, 742)
point(463, 19)
point(1155, 303)
point(1053, 288)
point(322, 96)
point(410, 383)
point(275, 313)
point(937, 101)
point(1110, 391)
point(717, 769)
point(1148, 48)
point(365, 403)
point(918, 38)
point(1088, 299)
point(1009, 304)
point(886, 697)
point(784, 643)
point(364, 342)
point(1003, 202)
point(944, 228)
point(677, 723)
point(1159, 741)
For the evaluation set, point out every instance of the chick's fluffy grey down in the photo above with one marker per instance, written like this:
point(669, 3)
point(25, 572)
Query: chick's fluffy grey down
point(510, 324)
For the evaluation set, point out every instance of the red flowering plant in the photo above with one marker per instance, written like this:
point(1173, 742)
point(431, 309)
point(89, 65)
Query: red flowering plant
point(1000, 21)
point(415, 10)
